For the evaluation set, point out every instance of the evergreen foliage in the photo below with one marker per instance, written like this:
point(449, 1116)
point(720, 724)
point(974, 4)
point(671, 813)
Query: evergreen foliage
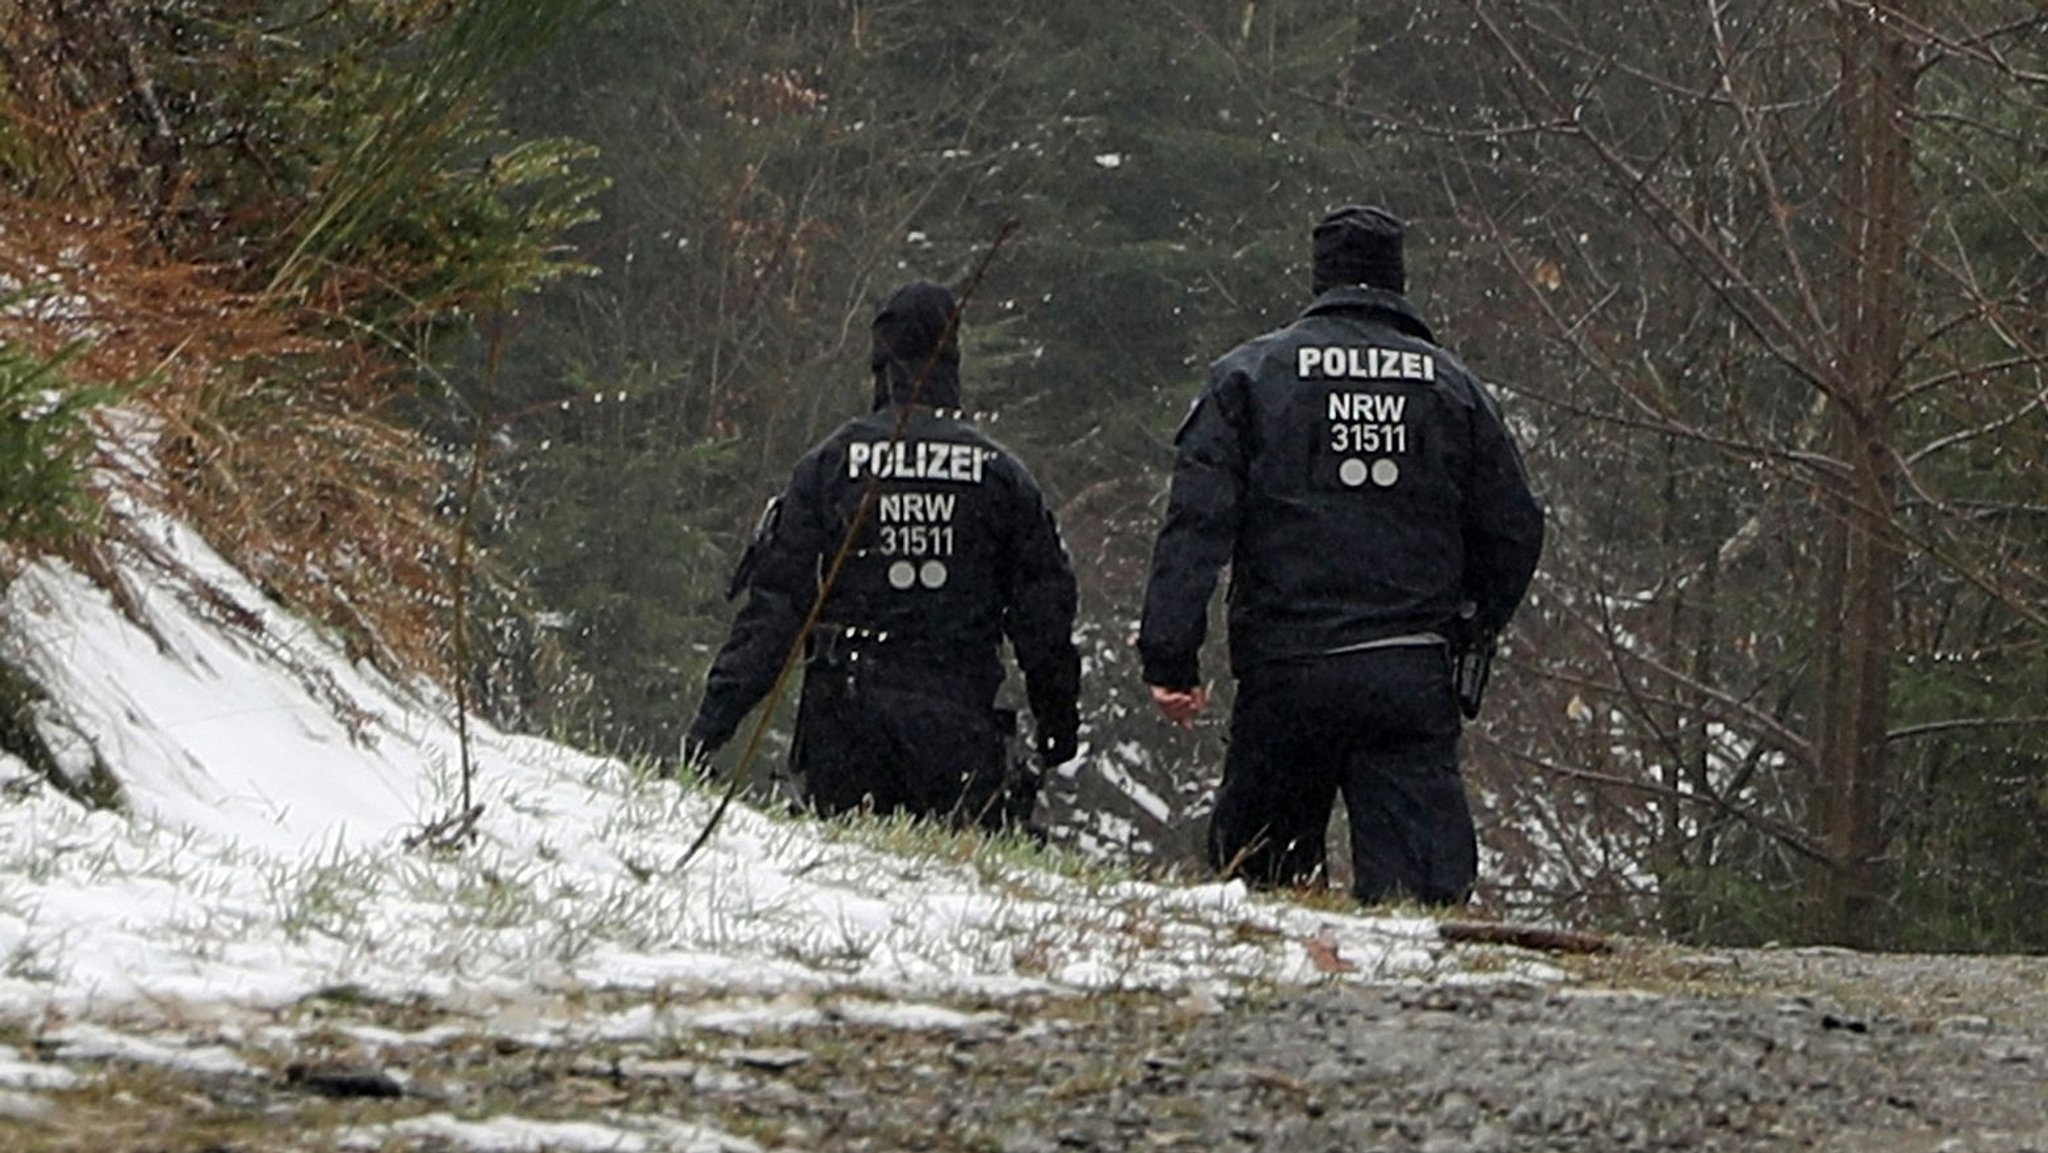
point(276, 210)
point(47, 442)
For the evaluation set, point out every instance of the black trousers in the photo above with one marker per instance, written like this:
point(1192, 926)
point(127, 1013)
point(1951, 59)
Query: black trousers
point(897, 747)
point(1381, 728)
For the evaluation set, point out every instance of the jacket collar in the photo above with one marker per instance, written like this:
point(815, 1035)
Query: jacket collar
point(1389, 308)
point(895, 382)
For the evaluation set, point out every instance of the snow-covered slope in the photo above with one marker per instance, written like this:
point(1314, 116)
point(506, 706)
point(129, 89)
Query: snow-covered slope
point(271, 788)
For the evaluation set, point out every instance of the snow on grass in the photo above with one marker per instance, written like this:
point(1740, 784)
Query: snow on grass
point(573, 884)
point(272, 788)
point(519, 1135)
point(92, 1043)
point(16, 1073)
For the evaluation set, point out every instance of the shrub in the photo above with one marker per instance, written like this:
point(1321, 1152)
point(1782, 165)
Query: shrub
point(46, 444)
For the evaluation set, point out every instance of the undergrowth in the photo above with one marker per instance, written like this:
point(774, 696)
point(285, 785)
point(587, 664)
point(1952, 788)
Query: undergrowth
point(265, 238)
point(277, 445)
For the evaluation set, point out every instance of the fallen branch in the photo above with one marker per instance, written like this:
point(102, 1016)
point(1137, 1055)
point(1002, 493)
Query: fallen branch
point(1523, 936)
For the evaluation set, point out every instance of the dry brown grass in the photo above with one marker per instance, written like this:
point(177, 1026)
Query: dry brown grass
point(274, 440)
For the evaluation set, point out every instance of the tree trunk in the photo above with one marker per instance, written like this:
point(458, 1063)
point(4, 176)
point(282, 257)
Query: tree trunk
point(1676, 879)
point(1855, 611)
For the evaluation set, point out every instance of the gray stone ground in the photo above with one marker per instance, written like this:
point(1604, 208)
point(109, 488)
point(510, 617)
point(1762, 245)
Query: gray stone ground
point(1827, 1051)
point(1448, 1071)
point(1646, 1049)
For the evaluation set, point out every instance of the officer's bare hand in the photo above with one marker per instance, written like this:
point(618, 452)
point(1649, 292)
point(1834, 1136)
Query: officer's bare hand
point(1181, 706)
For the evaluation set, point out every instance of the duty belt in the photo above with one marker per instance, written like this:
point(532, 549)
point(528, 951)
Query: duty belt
point(844, 645)
point(857, 653)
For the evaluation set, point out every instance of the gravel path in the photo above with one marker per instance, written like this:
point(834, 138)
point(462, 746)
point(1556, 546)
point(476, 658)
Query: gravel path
point(1643, 1049)
point(1810, 1050)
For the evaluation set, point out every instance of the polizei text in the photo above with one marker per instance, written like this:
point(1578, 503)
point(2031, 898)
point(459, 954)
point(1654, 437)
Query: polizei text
point(916, 460)
point(1368, 363)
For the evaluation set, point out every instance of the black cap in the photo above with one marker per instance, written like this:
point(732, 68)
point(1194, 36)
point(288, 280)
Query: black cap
point(917, 346)
point(1356, 244)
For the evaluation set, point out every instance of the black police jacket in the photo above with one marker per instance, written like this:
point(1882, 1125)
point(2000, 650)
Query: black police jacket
point(1358, 480)
point(954, 550)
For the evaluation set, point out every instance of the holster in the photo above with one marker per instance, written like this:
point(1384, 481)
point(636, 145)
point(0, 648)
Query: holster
point(1471, 665)
point(1021, 775)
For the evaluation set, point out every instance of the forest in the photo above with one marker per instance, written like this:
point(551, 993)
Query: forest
point(481, 330)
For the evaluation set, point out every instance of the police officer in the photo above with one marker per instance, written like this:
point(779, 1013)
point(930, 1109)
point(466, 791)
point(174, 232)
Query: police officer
point(951, 549)
point(1379, 526)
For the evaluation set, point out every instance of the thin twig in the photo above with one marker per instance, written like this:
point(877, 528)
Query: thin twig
point(462, 825)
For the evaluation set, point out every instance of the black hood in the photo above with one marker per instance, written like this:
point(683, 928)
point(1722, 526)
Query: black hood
point(917, 347)
point(1357, 245)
